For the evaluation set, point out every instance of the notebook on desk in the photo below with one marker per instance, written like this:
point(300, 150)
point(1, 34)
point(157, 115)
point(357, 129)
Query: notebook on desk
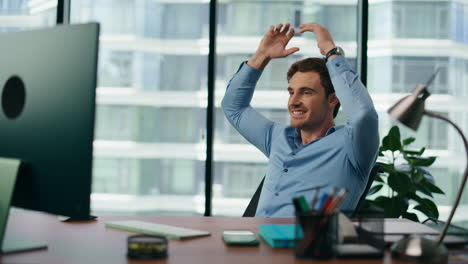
point(278, 236)
point(396, 228)
point(148, 228)
point(390, 227)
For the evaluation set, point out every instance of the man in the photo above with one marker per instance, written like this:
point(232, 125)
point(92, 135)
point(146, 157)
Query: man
point(312, 152)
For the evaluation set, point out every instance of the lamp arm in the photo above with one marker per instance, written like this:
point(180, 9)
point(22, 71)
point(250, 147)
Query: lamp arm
point(465, 176)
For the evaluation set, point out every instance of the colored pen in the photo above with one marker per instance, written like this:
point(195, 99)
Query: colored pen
point(337, 201)
point(297, 205)
point(303, 204)
point(329, 200)
point(322, 201)
point(314, 200)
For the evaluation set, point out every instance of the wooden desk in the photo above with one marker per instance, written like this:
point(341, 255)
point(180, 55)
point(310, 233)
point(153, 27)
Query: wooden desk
point(91, 242)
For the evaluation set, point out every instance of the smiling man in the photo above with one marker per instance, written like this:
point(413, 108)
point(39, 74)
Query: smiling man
point(312, 152)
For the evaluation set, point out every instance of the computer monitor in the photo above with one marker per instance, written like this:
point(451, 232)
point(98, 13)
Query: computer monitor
point(48, 83)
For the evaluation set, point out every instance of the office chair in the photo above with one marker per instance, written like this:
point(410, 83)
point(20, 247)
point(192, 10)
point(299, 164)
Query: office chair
point(375, 170)
point(252, 207)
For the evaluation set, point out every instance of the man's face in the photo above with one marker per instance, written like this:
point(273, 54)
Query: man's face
point(308, 106)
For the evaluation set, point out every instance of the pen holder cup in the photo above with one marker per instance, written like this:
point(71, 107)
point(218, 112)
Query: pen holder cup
point(316, 235)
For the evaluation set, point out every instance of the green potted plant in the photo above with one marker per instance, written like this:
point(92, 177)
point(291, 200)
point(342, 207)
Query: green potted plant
point(404, 177)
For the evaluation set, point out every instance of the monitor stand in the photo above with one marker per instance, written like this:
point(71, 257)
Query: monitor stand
point(11, 243)
point(67, 219)
point(16, 244)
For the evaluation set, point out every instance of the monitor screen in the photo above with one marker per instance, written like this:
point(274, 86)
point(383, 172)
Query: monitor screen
point(48, 82)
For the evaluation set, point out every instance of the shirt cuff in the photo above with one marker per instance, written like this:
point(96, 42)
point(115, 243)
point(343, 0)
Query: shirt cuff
point(337, 66)
point(248, 74)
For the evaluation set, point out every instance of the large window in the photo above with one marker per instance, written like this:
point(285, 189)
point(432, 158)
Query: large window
point(150, 143)
point(408, 41)
point(18, 15)
point(416, 19)
point(239, 167)
point(149, 148)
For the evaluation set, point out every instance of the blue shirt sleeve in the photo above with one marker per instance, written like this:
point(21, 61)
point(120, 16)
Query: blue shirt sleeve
point(253, 126)
point(362, 125)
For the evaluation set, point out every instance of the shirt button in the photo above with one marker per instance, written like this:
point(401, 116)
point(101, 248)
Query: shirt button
point(285, 170)
point(276, 194)
point(338, 65)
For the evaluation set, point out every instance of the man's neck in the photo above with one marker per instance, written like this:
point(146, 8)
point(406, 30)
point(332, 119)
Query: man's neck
point(308, 136)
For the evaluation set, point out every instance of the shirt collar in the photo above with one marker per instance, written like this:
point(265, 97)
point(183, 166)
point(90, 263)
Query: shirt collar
point(294, 134)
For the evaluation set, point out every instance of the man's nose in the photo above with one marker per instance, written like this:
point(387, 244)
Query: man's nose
point(294, 100)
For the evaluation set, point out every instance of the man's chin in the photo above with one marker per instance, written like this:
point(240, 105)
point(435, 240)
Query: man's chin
point(297, 125)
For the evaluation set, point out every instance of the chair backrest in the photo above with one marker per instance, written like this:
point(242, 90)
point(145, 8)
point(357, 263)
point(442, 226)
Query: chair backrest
point(252, 207)
point(375, 170)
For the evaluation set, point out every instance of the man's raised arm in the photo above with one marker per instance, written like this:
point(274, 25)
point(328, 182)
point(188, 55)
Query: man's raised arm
point(236, 102)
point(354, 97)
point(272, 46)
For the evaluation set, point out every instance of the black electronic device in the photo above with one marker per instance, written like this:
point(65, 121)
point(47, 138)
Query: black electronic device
point(48, 83)
point(146, 247)
point(358, 251)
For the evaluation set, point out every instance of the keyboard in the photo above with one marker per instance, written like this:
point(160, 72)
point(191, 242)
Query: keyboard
point(149, 228)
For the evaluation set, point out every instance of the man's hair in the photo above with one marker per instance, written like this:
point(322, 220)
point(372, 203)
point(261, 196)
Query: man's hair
point(315, 65)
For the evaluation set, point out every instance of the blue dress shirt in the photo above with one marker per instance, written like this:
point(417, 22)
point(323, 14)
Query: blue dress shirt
point(343, 158)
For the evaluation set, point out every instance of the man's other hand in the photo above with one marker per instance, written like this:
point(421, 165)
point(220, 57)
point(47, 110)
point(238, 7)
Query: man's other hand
point(273, 45)
point(324, 39)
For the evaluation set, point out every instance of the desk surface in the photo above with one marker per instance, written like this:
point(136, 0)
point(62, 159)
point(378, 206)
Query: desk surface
point(91, 242)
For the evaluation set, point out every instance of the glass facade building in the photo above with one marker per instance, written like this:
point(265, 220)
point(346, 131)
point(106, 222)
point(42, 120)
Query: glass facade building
point(150, 139)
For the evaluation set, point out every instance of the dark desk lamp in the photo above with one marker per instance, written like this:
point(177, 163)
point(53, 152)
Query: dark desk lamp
point(409, 111)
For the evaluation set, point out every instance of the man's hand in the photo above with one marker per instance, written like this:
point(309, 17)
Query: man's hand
point(273, 45)
point(324, 39)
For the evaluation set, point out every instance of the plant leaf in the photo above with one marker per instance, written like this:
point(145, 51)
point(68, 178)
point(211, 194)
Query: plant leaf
point(382, 202)
point(423, 189)
point(421, 151)
point(392, 140)
point(428, 208)
point(411, 216)
point(421, 162)
point(387, 167)
point(413, 196)
point(408, 141)
point(411, 152)
point(393, 207)
point(396, 207)
point(374, 189)
point(378, 178)
point(431, 187)
point(391, 143)
point(400, 182)
point(394, 133)
point(418, 176)
point(385, 143)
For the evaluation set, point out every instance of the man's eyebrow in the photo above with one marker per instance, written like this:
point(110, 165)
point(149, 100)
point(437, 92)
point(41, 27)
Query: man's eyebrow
point(303, 88)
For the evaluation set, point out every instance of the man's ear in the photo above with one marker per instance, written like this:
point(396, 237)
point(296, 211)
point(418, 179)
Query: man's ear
point(333, 100)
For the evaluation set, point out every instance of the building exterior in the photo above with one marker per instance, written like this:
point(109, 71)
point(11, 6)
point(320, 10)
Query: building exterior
point(152, 95)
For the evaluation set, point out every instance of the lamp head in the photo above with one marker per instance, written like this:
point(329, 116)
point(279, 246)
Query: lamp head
point(410, 109)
